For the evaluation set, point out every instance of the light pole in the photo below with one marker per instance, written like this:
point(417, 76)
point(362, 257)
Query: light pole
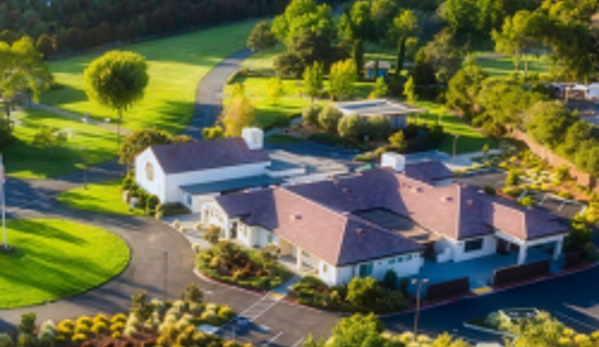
point(84, 168)
point(455, 141)
point(418, 282)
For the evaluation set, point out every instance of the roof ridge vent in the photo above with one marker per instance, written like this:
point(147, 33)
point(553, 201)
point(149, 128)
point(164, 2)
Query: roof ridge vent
point(470, 202)
point(360, 231)
point(447, 198)
point(296, 216)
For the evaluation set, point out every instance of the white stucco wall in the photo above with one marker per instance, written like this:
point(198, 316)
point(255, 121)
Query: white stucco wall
point(157, 185)
point(489, 247)
point(409, 265)
point(296, 171)
point(197, 201)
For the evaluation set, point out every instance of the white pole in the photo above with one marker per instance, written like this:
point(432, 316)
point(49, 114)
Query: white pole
point(2, 178)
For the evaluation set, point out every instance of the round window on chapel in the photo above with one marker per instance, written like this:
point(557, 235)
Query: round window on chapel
point(149, 171)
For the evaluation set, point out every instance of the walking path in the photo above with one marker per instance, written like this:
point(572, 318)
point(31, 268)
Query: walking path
point(80, 118)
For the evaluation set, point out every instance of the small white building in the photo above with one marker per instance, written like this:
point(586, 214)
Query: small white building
point(396, 112)
point(392, 218)
point(193, 173)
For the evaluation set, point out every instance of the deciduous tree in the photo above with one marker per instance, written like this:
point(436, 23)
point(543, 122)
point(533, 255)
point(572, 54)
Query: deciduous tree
point(547, 122)
point(380, 88)
point(275, 89)
point(350, 126)
point(262, 37)
point(141, 139)
point(238, 113)
point(313, 80)
point(409, 90)
point(342, 79)
point(117, 80)
point(49, 138)
point(404, 26)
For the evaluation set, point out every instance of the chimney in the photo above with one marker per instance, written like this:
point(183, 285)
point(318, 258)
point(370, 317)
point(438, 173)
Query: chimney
point(253, 137)
point(393, 160)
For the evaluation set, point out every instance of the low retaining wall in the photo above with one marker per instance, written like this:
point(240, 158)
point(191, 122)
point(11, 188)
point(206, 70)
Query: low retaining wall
point(449, 289)
point(582, 178)
point(519, 273)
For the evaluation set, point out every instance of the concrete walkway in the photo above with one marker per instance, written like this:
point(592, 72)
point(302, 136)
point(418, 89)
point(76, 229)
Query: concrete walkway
point(80, 118)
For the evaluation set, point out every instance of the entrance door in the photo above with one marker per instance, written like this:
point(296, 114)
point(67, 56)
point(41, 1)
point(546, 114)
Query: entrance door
point(233, 230)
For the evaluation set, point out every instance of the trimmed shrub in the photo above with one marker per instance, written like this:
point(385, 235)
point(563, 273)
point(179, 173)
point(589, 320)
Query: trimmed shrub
point(310, 114)
point(6, 341)
point(116, 335)
point(329, 117)
point(379, 127)
point(85, 320)
point(117, 326)
point(81, 329)
point(390, 279)
point(512, 179)
point(99, 328)
point(198, 226)
point(151, 204)
point(65, 327)
point(225, 313)
point(79, 338)
point(100, 318)
point(171, 209)
point(119, 318)
point(489, 190)
point(350, 126)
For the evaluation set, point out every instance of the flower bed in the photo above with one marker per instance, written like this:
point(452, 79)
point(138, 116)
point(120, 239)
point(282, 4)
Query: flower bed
point(365, 295)
point(231, 264)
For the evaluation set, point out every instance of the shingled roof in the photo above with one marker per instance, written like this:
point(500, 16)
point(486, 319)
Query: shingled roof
point(320, 217)
point(206, 154)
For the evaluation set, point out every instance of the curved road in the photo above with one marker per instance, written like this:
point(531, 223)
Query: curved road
point(573, 299)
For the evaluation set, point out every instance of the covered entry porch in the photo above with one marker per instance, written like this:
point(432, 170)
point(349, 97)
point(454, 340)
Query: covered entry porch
point(507, 244)
point(296, 259)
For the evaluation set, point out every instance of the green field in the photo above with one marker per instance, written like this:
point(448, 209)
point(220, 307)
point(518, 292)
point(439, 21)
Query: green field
point(176, 65)
point(23, 160)
point(504, 66)
point(55, 259)
point(469, 140)
point(102, 197)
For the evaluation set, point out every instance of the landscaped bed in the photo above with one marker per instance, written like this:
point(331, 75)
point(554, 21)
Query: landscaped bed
point(361, 295)
point(229, 263)
point(54, 259)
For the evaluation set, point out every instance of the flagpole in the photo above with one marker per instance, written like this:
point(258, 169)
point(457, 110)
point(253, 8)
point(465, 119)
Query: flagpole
point(2, 173)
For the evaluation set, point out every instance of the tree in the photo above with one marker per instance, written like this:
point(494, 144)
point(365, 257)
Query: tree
point(536, 331)
point(313, 80)
point(527, 201)
point(270, 253)
point(329, 118)
point(409, 90)
point(342, 79)
point(215, 132)
point(46, 45)
point(304, 15)
point(363, 291)
point(398, 141)
point(27, 325)
point(445, 56)
point(350, 126)
point(49, 138)
point(194, 293)
point(380, 88)
point(237, 114)
point(262, 37)
point(516, 38)
point(117, 80)
point(357, 26)
point(310, 114)
point(512, 179)
point(141, 139)
point(576, 134)
point(212, 235)
point(358, 330)
point(275, 89)
point(6, 130)
point(423, 71)
point(404, 27)
point(22, 71)
point(547, 122)
point(140, 307)
point(464, 88)
point(461, 15)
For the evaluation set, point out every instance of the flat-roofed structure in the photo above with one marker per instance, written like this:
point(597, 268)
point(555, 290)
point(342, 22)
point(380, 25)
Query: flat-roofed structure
point(396, 112)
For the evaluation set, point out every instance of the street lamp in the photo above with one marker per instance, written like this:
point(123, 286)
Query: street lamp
point(418, 282)
point(455, 141)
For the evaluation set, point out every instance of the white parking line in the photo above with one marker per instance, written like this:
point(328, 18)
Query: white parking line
point(298, 342)
point(577, 321)
point(272, 339)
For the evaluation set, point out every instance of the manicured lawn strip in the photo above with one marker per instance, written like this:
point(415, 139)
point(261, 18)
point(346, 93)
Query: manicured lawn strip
point(176, 65)
point(279, 276)
point(102, 197)
point(56, 259)
point(263, 60)
point(23, 160)
point(470, 140)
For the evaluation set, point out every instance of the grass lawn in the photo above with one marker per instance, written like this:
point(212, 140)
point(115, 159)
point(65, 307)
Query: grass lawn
point(176, 65)
point(470, 140)
point(55, 259)
point(102, 197)
point(263, 60)
point(23, 160)
point(504, 66)
point(284, 139)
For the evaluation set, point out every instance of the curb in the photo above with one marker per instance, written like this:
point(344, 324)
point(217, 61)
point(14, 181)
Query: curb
point(486, 330)
point(209, 279)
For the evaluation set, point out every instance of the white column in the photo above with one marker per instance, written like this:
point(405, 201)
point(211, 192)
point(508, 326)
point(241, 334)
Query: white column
point(298, 259)
point(227, 230)
point(557, 251)
point(522, 254)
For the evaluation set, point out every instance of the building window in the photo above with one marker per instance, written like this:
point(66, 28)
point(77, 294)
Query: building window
point(365, 270)
point(270, 238)
point(392, 261)
point(189, 200)
point(399, 259)
point(473, 245)
point(409, 257)
point(325, 268)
